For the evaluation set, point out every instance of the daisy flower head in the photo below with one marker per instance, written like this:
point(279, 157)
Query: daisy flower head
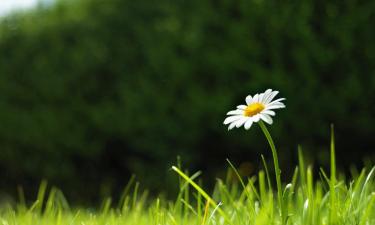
point(258, 107)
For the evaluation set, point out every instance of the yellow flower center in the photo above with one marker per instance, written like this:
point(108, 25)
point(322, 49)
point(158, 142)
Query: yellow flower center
point(253, 109)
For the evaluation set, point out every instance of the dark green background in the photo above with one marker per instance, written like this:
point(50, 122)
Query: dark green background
point(93, 91)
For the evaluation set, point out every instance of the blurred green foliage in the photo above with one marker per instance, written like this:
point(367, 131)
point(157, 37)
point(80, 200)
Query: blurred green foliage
point(92, 91)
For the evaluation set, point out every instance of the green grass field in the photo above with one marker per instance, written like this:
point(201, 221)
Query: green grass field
point(235, 201)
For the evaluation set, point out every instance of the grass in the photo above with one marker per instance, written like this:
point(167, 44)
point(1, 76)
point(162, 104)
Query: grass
point(235, 201)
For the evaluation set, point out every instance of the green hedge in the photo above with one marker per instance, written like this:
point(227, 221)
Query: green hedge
point(94, 91)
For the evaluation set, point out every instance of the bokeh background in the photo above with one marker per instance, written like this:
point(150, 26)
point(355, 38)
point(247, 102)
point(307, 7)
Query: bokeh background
point(94, 91)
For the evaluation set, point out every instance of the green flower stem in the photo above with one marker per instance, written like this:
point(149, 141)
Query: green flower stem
point(277, 168)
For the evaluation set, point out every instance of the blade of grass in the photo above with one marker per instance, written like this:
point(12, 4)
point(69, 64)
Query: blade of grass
point(332, 182)
point(203, 193)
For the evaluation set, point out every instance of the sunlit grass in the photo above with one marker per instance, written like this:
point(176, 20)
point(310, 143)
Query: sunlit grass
point(237, 200)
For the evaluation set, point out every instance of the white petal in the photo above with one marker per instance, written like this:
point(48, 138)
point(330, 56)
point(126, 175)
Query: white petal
point(241, 121)
point(256, 98)
point(231, 119)
point(235, 112)
point(261, 96)
point(266, 118)
point(248, 123)
point(275, 107)
point(241, 107)
point(266, 99)
point(231, 126)
point(249, 99)
point(256, 118)
point(266, 95)
point(278, 100)
point(268, 112)
point(275, 103)
point(272, 95)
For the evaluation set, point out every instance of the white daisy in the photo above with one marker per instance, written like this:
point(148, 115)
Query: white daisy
point(258, 107)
